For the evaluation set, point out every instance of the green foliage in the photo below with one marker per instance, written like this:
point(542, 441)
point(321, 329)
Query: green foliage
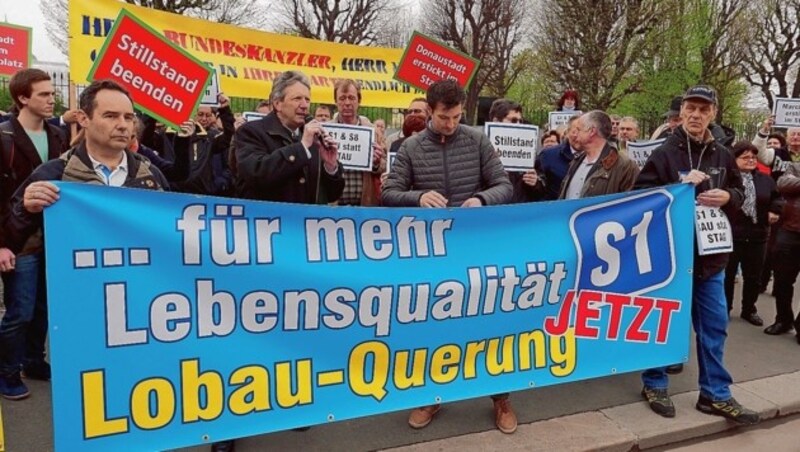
point(5, 98)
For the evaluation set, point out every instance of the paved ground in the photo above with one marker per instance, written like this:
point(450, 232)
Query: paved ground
point(601, 414)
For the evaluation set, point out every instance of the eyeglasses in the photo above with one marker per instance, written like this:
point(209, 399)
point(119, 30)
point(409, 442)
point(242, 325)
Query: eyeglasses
point(415, 111)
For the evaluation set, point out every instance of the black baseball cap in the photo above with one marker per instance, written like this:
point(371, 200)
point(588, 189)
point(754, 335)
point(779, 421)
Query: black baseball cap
point(701, 92)
point(674, 107)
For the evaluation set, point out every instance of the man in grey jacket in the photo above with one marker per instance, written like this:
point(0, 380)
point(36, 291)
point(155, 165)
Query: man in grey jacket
point(449, 165)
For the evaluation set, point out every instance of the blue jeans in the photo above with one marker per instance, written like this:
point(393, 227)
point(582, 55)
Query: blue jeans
point(24, 326)
point(710, 321)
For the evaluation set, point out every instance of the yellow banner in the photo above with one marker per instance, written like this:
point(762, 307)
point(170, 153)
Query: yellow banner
point(246, 60)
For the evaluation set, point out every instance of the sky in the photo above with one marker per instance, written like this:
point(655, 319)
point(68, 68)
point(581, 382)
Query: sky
point(27, 13)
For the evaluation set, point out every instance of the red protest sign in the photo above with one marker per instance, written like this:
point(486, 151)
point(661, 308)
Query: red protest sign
point(15, 48)
point(426, 60)
point(164, 80)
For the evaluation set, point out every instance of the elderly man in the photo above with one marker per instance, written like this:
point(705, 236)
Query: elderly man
point(418, 178)
point(599, 169)
point(280, 157)
point(689, 155)
point(628, 132)
point(552, 163)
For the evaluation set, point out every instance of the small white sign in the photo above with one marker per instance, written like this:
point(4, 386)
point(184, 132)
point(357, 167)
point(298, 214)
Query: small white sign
point(714, 234)
point(252, 116)
point(787, 112)
point(515, 144)
point(355, 145)
point(209, 98)
point(556, 119)
point(390, 161)
point(639, 151)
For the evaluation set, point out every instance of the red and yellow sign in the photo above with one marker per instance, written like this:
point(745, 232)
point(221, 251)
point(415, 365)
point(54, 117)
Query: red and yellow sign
point(246, 60)
point(426, 60)
point(15, 48)
point(163, 79)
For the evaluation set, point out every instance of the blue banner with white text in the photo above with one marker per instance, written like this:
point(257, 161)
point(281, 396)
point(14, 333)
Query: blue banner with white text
point(177, 319)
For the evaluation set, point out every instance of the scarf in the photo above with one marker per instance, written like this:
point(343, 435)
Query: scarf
point(749, 206)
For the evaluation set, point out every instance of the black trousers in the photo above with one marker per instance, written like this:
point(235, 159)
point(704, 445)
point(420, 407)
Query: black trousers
point(750, 254)
point(787, 267)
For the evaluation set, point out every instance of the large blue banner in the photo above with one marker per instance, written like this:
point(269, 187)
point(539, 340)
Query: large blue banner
point(177, 319)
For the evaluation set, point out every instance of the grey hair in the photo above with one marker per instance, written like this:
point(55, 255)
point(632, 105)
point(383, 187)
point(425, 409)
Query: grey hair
point(285, 80)
point(630, 119)
point(600, 121)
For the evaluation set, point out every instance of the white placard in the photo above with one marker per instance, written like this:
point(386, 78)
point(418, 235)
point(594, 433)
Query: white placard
point(355, 145)
point(639, 151)
point(515, 144)
point(252, 116)
point(555, 119)
point(713, 230)
point(787, 112)
point(209, 98)
point(390, 161)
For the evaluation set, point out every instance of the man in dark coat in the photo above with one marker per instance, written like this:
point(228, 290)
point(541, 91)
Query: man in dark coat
point(281, 158)
point(27, 141)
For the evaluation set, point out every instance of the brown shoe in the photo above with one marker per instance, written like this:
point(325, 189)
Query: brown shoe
point(421, 417)
point(504, 416)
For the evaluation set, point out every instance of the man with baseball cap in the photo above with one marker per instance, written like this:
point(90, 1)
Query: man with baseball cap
point(691, 155)
point(673, 117)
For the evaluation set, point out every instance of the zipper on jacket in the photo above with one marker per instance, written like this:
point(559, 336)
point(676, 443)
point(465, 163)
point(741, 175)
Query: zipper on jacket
point(446, 170)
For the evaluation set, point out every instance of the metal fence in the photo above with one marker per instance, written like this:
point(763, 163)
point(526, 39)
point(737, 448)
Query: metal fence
point(392, 116)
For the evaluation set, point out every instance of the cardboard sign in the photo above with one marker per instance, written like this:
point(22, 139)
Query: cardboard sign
point(390, 161)
point(427, 60)
point(355, 145)
point(253, 116)
point(15, 48)
point(515, 144)
point(556, 119)
point(787, 112)
point(164, 81)
point(639, 151)
point(209, 98)
point(714, 234)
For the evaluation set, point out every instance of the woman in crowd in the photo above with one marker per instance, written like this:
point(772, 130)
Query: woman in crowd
point(750, 226)
point(550, 138)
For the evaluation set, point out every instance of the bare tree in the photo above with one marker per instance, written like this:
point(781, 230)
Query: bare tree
point(348, 21)
point(771, 59)
point(488, 30)
point(596, 45)
point(236, 12)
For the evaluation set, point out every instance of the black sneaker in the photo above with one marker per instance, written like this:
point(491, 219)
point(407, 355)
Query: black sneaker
point(37, 370)
point(675, 369)
point(659, 401)
point(12, 387)
point(730, 409)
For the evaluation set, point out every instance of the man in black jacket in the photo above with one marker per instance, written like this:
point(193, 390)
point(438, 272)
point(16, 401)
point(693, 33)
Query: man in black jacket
point(692, 155)
point(101, 158)
point(281, 158)
point(27, 141)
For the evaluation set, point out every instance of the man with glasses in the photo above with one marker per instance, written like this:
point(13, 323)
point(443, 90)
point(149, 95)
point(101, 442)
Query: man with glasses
point(599, 169)
point(527, 185)
point(417, 107)
point(358, 187)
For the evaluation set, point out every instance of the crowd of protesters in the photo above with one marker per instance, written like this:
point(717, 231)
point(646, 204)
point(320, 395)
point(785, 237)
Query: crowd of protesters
point(287, 156)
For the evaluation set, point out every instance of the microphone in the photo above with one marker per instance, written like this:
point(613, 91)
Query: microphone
point(320, 135)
